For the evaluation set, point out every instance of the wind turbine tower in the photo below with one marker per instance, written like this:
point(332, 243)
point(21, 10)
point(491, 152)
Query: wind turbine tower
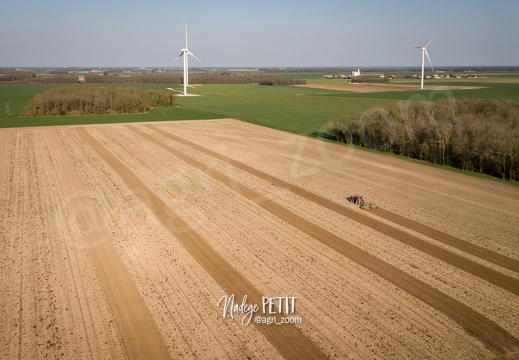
point(425, 53)
point(186, 53)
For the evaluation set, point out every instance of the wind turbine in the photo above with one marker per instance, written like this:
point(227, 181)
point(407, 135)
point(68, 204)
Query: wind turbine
point(424, 53)
point(186, 53)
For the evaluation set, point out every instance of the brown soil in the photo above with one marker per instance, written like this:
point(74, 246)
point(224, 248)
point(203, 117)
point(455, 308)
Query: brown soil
point(117, 241)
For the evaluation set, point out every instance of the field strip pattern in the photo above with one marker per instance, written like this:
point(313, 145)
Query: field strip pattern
point(117, 241)
point(177, 291)
point(45, 304)
point(290, 342)
point(140, 335)
point(474, 268)
point(440, 199)
point(468, 247)
point(163, 173)
point(491, 334)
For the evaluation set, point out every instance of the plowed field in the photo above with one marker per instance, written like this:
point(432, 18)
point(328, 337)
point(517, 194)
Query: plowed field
point(119, 241)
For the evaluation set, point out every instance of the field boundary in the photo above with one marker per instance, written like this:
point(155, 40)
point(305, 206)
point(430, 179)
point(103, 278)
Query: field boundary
point(473, 174)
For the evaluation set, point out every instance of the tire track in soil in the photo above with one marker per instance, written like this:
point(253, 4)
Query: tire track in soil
point(139, 333)
point(447, 239)
point(11, 192)
point(7, 109)
point(493, 336)
point(5, 143)
point(288, 340)
point(72, 258)
point(20, 196)
point(495, 277)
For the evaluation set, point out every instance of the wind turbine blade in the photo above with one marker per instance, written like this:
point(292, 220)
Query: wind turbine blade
point(426, 53)
point(193, 55)
point(186, 33)
point(182, 53)
point(432, 38)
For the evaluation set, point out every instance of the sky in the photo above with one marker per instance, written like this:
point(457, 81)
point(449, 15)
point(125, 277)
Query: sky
point(263, 33)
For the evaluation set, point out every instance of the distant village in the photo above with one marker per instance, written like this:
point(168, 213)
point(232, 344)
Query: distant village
point(356, 75)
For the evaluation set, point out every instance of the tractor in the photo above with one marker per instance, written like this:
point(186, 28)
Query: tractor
point(359, 200)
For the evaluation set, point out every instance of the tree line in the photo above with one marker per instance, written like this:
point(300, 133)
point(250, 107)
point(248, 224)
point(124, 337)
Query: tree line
point(144, 78)
point(280, 81)
point(369, 79)
point(29, 77)
point(205, 78)
point(471, 134)
point(211, 77)
point(87, 100)
point(239, 78)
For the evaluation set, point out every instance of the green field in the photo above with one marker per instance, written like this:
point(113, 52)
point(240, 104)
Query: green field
point(295, 109)
point(15, 98)
point(307, 111)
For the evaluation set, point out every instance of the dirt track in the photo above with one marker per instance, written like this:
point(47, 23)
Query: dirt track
point(106, 227)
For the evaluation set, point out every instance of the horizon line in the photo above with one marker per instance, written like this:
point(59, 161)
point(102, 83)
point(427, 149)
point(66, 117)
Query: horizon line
point(244, 66)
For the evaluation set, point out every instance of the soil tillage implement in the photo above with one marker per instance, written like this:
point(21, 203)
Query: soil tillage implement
point(359, 200)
